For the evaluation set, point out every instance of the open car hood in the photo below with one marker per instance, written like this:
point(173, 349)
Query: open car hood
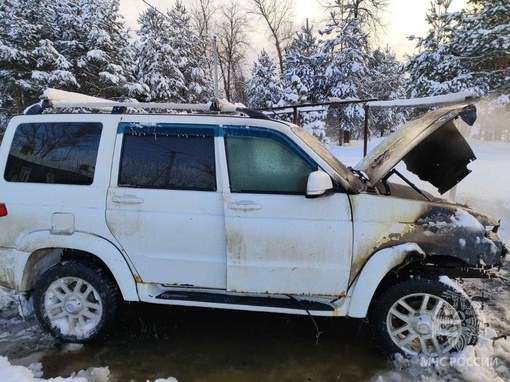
point(431, 147)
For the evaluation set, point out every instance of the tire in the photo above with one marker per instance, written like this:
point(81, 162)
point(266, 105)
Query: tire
point(423, 317)
point(76, 302)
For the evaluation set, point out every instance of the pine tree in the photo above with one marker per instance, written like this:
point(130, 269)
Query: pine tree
point(387, 83)
point(68, 44)
point(305, 79)
point(29, 60)
point(438, 67)
point(263, 88)
point(156, 68)
point(189, 56)
point(347, 47)
point(466, 50)
point(98, 45)
point(304, 58)
point(483, 42)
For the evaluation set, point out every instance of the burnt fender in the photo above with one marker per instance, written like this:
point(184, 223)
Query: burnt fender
point(457, 232)
point(380, 263)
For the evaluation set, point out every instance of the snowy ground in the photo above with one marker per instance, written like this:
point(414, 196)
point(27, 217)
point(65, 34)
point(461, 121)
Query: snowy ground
point(485, 189)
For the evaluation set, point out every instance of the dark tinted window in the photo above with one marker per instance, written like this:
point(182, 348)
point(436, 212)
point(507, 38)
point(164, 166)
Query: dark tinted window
point(168, 157)
point(261, 160)
point(62, 153)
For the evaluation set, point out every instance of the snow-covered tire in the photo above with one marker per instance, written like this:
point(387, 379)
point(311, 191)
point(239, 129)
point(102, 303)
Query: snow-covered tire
point(76, 302)
point(423, 317)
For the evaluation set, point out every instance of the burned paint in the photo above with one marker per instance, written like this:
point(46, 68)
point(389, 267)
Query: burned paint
point(454, 233)
point(433, 136)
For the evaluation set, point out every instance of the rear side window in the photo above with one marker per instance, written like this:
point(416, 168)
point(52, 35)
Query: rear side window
point(58, 152)
point(168, 157)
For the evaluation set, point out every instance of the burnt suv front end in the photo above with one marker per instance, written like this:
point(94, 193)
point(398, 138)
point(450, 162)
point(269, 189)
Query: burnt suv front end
point(455, 239)
point(458, 241)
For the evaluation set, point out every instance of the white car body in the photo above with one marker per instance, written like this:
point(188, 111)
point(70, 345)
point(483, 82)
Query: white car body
point(325, 254)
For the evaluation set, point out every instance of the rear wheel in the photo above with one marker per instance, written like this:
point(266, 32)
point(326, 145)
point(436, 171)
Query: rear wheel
point(419, 316)
point(76, 302)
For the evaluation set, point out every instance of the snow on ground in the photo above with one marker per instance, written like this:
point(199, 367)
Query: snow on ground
point(485, 189)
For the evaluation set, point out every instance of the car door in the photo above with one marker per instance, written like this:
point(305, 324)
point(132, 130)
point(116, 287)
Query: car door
point(279, 241)
point(163, 204)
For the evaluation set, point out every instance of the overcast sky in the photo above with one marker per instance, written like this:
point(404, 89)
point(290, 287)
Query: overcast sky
point(403, 18)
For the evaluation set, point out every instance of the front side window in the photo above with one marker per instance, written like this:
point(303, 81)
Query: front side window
point(57, 152)
point(168, 157)
point(265, 161)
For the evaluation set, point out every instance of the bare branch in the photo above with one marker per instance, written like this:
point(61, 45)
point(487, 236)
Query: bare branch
point(278, 15)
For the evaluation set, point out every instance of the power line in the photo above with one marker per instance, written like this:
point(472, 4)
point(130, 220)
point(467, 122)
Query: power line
point(156, 9)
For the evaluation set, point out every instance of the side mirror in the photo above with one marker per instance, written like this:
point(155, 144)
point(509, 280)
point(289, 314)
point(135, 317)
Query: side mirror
point(318, 183)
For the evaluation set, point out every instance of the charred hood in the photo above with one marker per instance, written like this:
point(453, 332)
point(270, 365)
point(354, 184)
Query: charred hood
point(431, 147)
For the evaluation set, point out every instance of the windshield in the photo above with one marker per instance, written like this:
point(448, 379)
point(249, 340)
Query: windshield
point(320, 149)
point(345, 175)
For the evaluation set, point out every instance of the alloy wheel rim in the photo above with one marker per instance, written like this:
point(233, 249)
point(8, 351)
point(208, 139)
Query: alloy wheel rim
point(73, 306)
point(423, 323)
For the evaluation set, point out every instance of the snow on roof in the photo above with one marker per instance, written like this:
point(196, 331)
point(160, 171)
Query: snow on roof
point(64, 99)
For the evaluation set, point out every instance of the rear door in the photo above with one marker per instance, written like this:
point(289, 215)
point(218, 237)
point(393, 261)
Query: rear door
point(163, 205)
point(279, 241)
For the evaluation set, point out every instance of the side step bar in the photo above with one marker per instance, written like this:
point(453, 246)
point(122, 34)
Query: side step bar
point(272, 302)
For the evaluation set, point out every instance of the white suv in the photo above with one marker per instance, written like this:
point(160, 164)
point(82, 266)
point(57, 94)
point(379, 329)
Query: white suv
point(237, 212)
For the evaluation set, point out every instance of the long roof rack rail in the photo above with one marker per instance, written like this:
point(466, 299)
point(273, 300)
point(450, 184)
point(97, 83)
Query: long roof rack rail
point(54, 98)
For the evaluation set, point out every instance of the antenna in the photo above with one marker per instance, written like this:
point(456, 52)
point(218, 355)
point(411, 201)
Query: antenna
point(215, 69)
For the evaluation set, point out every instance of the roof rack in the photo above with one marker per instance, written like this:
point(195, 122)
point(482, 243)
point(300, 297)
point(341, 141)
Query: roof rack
point(54, 98)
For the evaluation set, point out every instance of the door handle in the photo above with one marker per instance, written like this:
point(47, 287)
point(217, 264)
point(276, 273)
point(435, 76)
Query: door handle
point(245, 205)
point(127, 199)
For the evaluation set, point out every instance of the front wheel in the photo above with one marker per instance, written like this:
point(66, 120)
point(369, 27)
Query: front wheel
point(76, 302)
point(423, 317)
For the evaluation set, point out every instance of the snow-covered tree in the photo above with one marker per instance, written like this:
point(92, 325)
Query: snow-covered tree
point(470, 51)
point(466, 50)
point(189, 55)
point(438, 68)
point(29, 60)
point(68, 44)
point(98, 47)
point(156, 68)
point(263, 88)
point(387, 83)
point(304, 79)
point(305, 58)
point(346, 44)
point(482, 42)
